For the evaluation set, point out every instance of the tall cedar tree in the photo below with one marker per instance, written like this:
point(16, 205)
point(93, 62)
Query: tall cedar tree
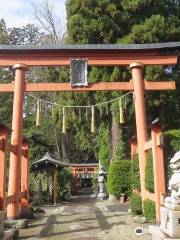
point(130, 21)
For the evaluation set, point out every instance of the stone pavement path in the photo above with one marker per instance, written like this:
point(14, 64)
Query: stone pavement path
point(85, 219)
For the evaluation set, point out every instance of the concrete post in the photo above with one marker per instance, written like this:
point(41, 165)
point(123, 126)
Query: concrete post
point(16, 139)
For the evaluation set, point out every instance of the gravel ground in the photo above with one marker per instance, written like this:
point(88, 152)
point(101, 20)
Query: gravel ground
point(84, 218)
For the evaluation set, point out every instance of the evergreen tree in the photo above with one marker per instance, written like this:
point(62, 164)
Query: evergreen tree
point(103, 145)
point(3, 32)
point(5, 77)
point(133, 21)
point(121, 151)
point(26, 35)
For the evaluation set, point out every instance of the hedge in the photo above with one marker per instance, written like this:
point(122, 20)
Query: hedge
point(172, 145)
point(149, 174)
point(172, 142)
point(136, 204)
point(149, 208)
point(119, 178)
point(135, 174)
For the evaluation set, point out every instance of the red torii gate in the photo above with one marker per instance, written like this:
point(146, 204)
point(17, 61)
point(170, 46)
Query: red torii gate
point(102, 55)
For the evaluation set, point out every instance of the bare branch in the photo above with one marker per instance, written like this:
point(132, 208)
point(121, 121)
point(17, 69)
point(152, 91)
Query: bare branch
point(45, 15)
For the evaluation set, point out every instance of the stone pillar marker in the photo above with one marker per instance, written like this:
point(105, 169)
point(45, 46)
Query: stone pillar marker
point(16, 140)
point(141, 123)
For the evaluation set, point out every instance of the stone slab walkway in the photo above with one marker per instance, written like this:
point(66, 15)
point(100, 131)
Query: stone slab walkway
point(85, 219)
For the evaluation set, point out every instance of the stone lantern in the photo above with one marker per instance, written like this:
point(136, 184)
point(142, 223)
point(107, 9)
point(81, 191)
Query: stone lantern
point(101, 183)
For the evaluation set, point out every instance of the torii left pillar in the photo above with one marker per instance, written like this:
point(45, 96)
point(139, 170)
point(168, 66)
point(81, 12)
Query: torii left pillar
point(16, 140)
point(141, 122)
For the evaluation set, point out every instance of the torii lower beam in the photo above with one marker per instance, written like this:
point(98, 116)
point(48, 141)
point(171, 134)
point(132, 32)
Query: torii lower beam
point(99, 86)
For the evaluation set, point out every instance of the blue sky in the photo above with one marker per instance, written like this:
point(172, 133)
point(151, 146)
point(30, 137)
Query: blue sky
point(18, 13)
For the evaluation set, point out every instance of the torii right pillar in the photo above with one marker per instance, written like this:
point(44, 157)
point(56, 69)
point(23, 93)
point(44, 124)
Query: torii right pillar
point(141, 122)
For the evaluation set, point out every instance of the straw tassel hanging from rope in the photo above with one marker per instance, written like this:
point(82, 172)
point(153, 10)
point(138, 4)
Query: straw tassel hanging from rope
point(86, 113)
point(92, 120)
point(107, 110)
point(121, 114)
point(59, 114)
point(64, 120)
point(125, 103)
point(73, 114)
point(79, 114)
point(52, 112)
point(100, 111)
point(38, 113)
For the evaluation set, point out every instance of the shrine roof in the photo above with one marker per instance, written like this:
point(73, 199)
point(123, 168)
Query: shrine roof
point(47, 160)
point(74, 47)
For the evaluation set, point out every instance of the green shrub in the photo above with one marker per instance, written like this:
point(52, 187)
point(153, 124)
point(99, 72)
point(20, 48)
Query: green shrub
point(119, 178)
point(172, 142)
point(149, 208)
point(149, 173)
point(136, 204)
point(64, 184)
point(172, 145)
point(122, 147)
point(135, 175)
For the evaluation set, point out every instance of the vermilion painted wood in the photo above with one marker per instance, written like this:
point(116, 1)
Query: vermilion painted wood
point(11, 198)
point(16, 139)
point(25, 174)
point(12, 148)
point(141, 122)
point(75, 170)
point(99, 86)
point(95, 57)
point(158, 167)
point(148, 145)
point(3, 166)
point(150, 196)
point(134, 147)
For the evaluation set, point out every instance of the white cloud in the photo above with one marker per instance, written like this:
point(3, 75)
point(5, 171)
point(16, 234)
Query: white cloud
point(12, 12)
point(18, 13)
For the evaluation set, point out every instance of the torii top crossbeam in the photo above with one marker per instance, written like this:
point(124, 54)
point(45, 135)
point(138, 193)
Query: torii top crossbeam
point(97, 54)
